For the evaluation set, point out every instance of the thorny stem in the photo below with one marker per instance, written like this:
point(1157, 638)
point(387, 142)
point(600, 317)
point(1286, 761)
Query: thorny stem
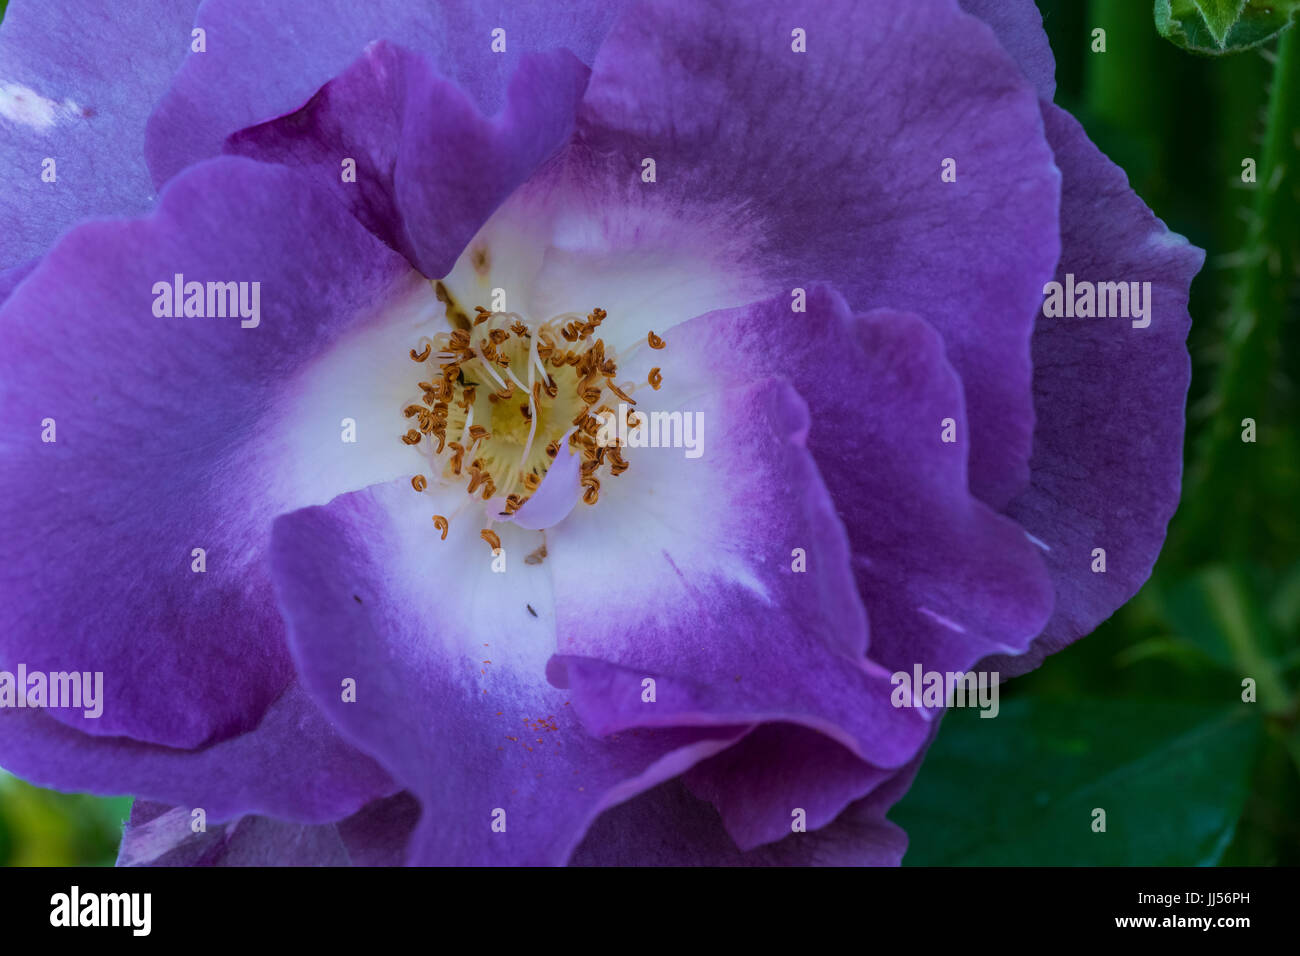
point(1260, 301)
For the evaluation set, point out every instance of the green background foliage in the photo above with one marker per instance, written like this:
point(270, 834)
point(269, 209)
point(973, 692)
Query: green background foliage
point(43, 828)
point(1144, 718)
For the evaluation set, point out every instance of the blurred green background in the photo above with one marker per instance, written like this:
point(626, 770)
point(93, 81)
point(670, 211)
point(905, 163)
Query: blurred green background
point(1144, 718)
point(43, 828)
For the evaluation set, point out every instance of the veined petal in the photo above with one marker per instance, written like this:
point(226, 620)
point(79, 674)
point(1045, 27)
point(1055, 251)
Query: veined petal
point(429, 168)
point(583, 232)
point(945, 580)
point(837, 174)
point(376, 835)
point(725, 581)
point(67, 97)
point(684, 567)
point(131, 440)
point(758, 784)
point(668, 826)
point(10, 278)
point(448, 657)
point(1105, 391)
point(264, 61)
point(294, 765)
point(1018, 25)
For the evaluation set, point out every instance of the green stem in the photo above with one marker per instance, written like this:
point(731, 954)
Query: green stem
point(1259, 303)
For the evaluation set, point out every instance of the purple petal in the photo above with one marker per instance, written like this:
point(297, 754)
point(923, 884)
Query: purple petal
point(448, 659)
point(707, 585)
point(175, 434)
point(377, 834)
point(429, 167)
point(266, 60)
point(757, 784)
point(945, 580)
point(554, 498)
point(1019, 28)
point(670, 827)
point(67, 94)
point(167, 839)
point(1107, 463)
point(830, 163)
point(690, 573)
point(10, 278)
point(158, 835)
point(294, 765)
point(580, 235)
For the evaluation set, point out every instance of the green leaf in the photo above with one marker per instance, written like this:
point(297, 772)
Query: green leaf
point(1219, 16)
point(1021, 789)
point(1216, 27)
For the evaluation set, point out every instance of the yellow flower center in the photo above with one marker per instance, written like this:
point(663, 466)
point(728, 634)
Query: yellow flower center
point(499, 396)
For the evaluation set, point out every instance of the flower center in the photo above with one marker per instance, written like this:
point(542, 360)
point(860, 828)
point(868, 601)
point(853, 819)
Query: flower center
point(500, 397)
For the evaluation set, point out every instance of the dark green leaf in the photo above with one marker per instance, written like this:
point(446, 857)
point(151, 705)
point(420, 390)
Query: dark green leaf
point(1021, 789)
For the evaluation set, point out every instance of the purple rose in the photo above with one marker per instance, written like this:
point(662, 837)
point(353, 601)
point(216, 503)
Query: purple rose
point(534, 435)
